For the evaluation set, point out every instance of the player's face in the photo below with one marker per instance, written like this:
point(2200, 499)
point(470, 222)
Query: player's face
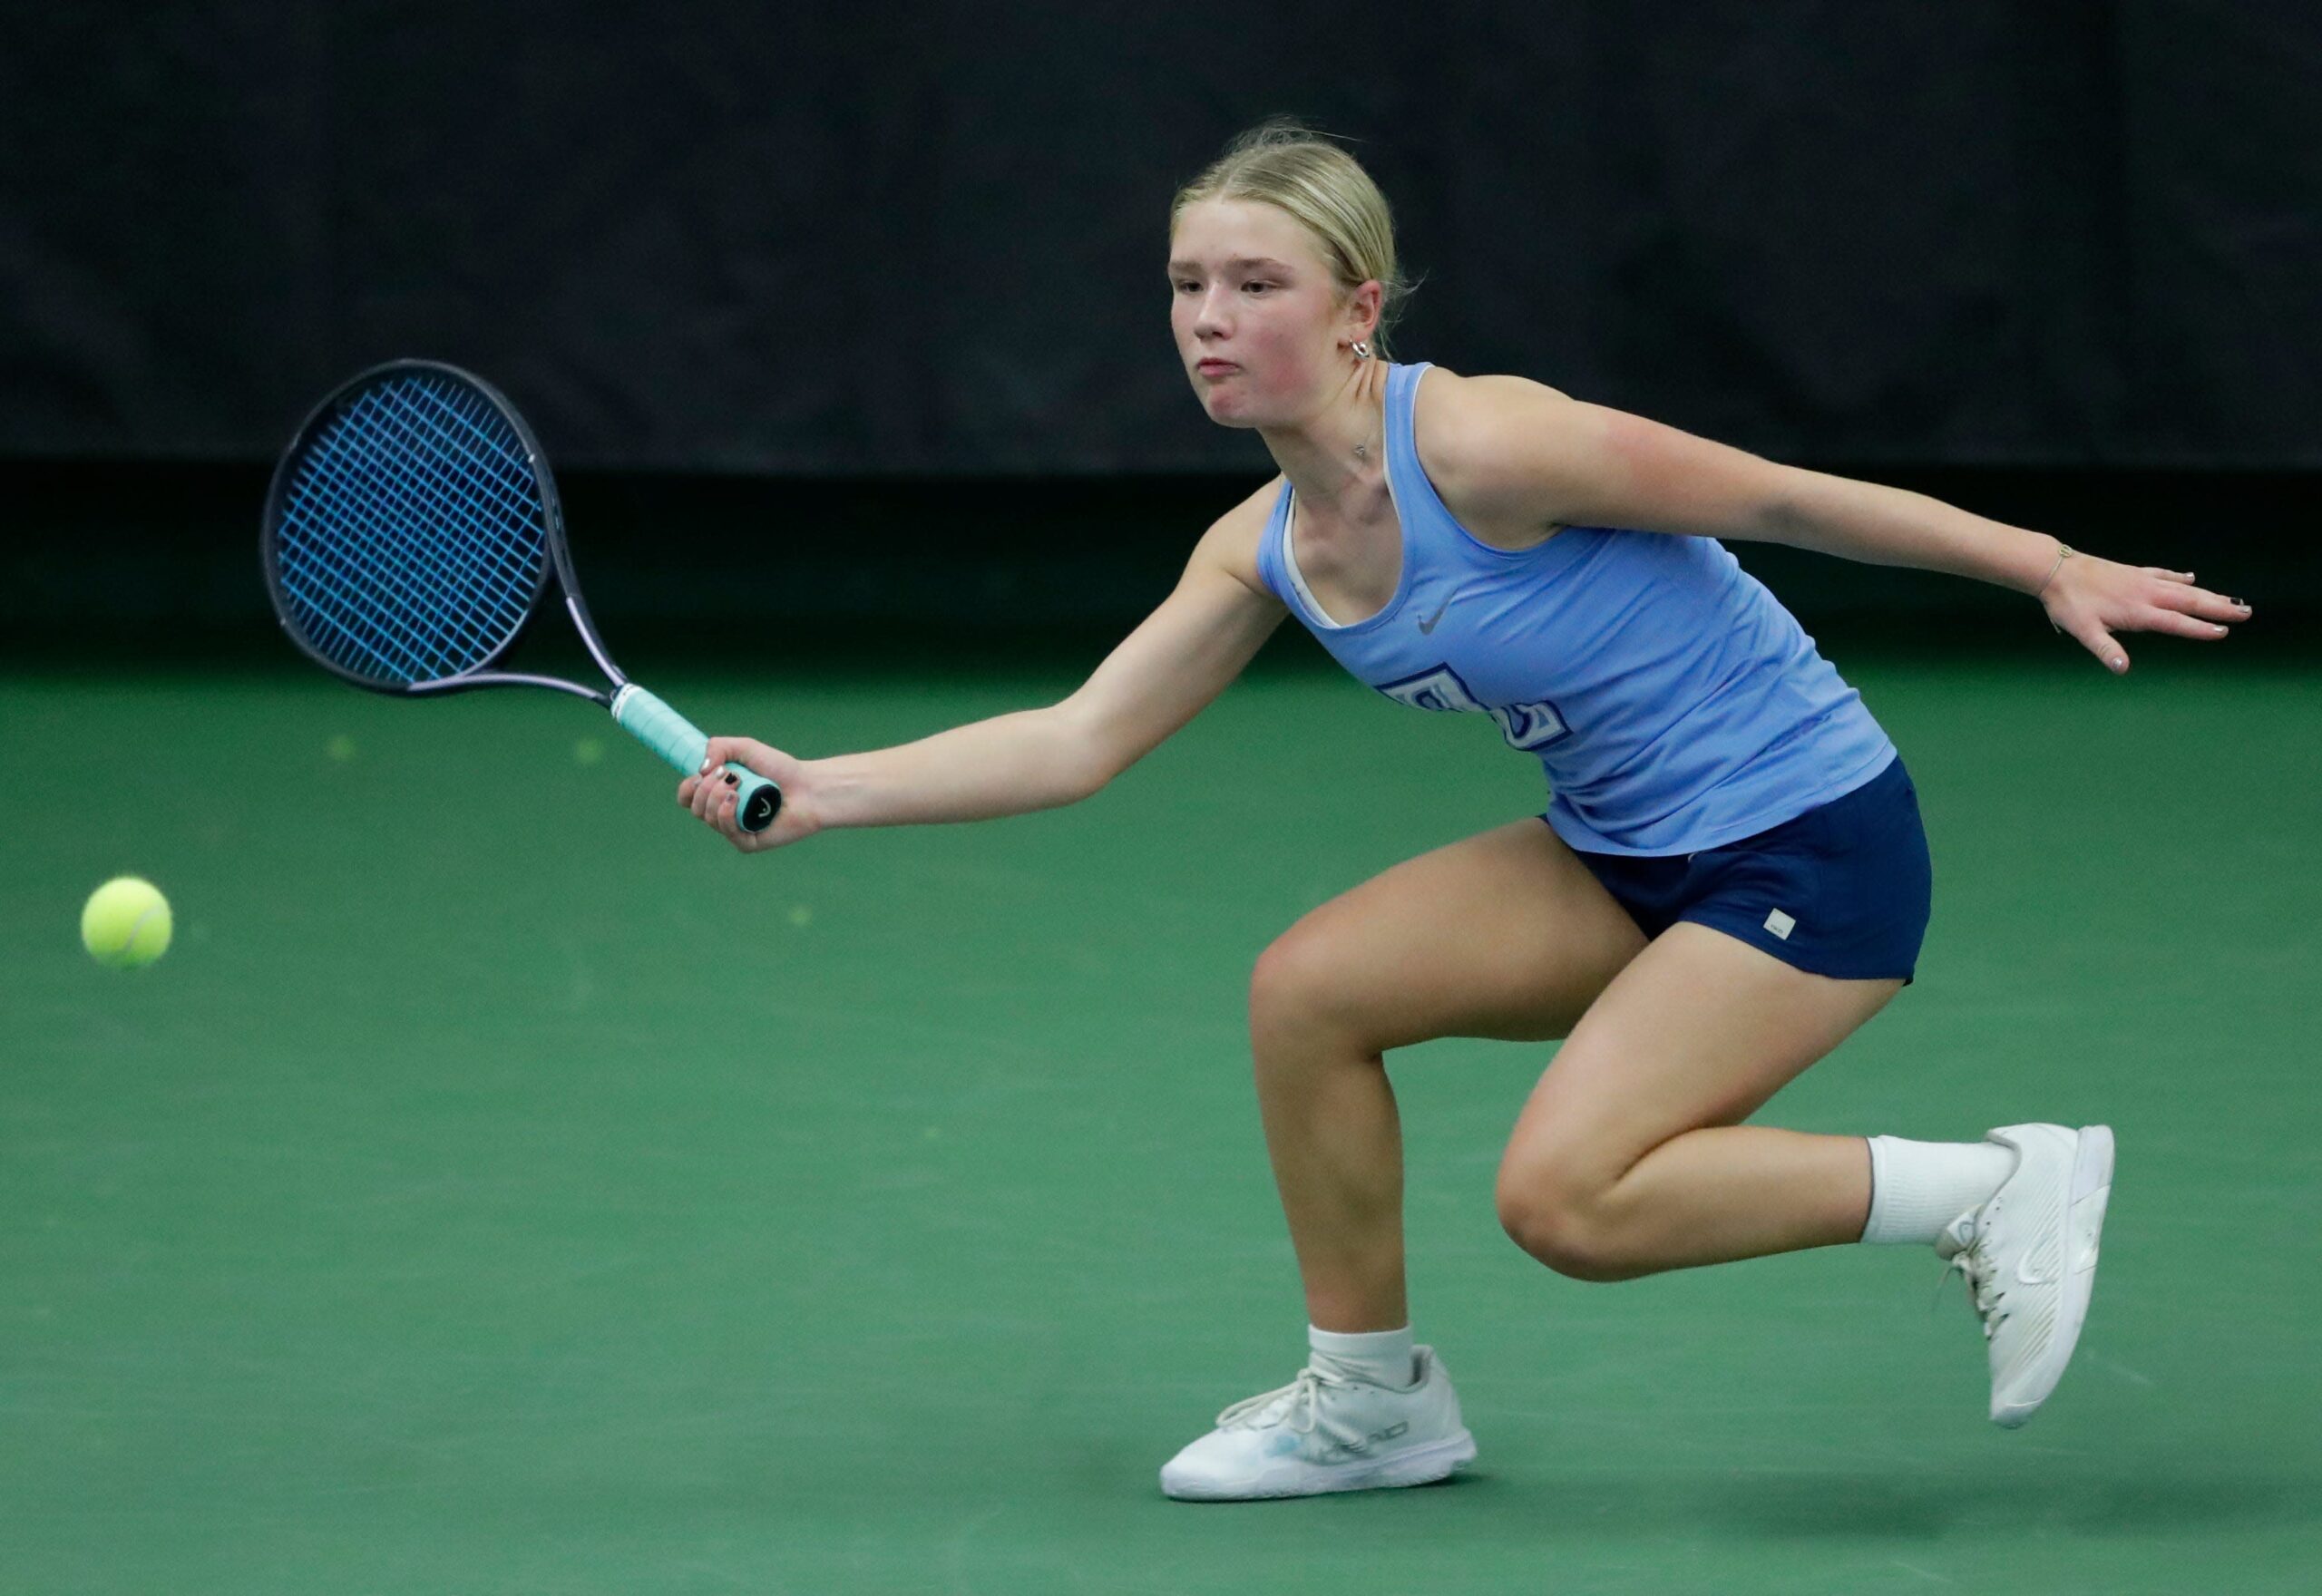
point(1259, 320)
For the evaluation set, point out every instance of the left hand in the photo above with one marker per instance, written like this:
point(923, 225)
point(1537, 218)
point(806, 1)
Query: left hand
point(2090, 599)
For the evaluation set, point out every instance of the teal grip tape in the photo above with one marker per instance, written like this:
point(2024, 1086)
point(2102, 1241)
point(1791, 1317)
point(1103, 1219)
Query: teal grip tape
point(756, 801)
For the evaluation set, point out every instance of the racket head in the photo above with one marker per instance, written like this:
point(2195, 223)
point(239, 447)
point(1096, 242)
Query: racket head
point(410, 529)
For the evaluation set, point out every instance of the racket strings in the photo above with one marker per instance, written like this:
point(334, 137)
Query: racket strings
point(425, 452)
point(413, 532)
point(374, 608)
point(429, 452)
point(389, 598)
point(500, 470)
point(343, 484)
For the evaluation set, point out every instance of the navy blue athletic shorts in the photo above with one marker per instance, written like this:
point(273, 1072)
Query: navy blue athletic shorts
point(1842, 891)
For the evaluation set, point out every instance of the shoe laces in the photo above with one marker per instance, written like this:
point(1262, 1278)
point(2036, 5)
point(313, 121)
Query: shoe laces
point(1976, 1262)
point(1302, 1397)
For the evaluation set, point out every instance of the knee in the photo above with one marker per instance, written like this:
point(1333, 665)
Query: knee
point(1296, 983)
point(1562, 1221)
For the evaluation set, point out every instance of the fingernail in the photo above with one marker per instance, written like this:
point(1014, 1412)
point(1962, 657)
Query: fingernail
point(2120, 665)
point(704, 767)
point(731, 779)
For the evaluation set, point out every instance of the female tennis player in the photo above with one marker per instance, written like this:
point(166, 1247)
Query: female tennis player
point(1731, 879)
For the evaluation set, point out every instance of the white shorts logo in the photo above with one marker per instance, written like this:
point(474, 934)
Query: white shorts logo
point(1780, 924)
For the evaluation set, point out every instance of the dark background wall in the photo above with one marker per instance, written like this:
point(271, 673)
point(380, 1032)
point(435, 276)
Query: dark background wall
point(766, 276)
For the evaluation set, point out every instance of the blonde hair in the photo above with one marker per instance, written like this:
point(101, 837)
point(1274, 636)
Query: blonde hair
point(1284, 163)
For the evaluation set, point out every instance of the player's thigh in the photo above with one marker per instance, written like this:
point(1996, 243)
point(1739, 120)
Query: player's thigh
point(1502, 935)
point(1701, 1029)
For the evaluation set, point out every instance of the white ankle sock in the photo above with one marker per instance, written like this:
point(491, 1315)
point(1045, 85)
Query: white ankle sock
point(1917, 1188)
point(1381, 1358)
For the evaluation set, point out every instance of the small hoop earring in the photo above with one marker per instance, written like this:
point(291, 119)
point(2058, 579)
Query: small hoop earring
point(1362, 347)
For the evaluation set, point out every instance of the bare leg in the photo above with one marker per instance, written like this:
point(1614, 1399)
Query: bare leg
point(1504, 935)
point(1629, 1158)
point(1337, 1148)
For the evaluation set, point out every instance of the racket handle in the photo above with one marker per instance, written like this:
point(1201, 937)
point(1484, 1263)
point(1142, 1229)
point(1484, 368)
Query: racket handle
point(756, 801)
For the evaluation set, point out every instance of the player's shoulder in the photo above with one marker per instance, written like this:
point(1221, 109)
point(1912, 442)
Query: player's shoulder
point(1483, 394)
point(1464, 425)
point(1231, 543)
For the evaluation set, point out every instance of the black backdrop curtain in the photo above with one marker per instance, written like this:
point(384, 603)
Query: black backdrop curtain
point(882, 239)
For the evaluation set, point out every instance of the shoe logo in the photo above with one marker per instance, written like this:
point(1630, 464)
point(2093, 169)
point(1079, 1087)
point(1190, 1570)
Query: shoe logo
point(1428, 626)
point(1363, 1444)
point(2024, 1277)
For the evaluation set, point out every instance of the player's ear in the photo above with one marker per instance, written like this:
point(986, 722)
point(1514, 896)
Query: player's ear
point(1363, 308)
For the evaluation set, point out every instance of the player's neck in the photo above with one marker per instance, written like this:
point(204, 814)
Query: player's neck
point(1336, 462)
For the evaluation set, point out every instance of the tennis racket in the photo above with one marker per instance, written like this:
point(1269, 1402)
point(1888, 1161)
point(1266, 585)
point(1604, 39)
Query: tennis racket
point(410, 531)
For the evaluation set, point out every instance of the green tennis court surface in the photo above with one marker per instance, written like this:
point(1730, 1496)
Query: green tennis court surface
point(501, 1186)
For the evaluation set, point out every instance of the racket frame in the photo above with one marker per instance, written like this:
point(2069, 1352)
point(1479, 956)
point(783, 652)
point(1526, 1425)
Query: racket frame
point(558, 564)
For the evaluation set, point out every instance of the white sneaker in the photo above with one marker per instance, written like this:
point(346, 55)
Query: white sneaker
point(2030, 1258)
point(1321, 1432)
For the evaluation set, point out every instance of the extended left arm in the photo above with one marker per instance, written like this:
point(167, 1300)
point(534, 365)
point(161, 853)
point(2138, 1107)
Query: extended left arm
point(1889, 526)
point(2085, 597)
point(1581, 464)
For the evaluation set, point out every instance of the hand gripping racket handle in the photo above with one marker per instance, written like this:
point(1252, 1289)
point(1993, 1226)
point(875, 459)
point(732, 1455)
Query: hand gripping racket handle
point(756, 801)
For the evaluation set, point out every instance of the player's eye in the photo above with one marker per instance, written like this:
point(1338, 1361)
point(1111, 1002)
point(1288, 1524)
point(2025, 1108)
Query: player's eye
point(1259, 287)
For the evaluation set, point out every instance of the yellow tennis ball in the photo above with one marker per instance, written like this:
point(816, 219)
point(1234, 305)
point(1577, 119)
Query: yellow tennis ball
point(126, 923)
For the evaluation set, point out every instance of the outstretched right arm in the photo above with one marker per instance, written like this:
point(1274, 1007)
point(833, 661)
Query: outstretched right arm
point(1178, 659)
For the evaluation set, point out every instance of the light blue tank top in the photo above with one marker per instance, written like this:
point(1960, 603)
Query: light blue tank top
point(1674, 703)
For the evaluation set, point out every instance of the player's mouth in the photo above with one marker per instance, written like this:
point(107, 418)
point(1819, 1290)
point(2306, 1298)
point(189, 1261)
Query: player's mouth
point(1215, 368)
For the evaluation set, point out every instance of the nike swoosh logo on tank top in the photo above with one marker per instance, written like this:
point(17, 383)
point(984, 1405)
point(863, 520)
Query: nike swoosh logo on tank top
point(1428, 626)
